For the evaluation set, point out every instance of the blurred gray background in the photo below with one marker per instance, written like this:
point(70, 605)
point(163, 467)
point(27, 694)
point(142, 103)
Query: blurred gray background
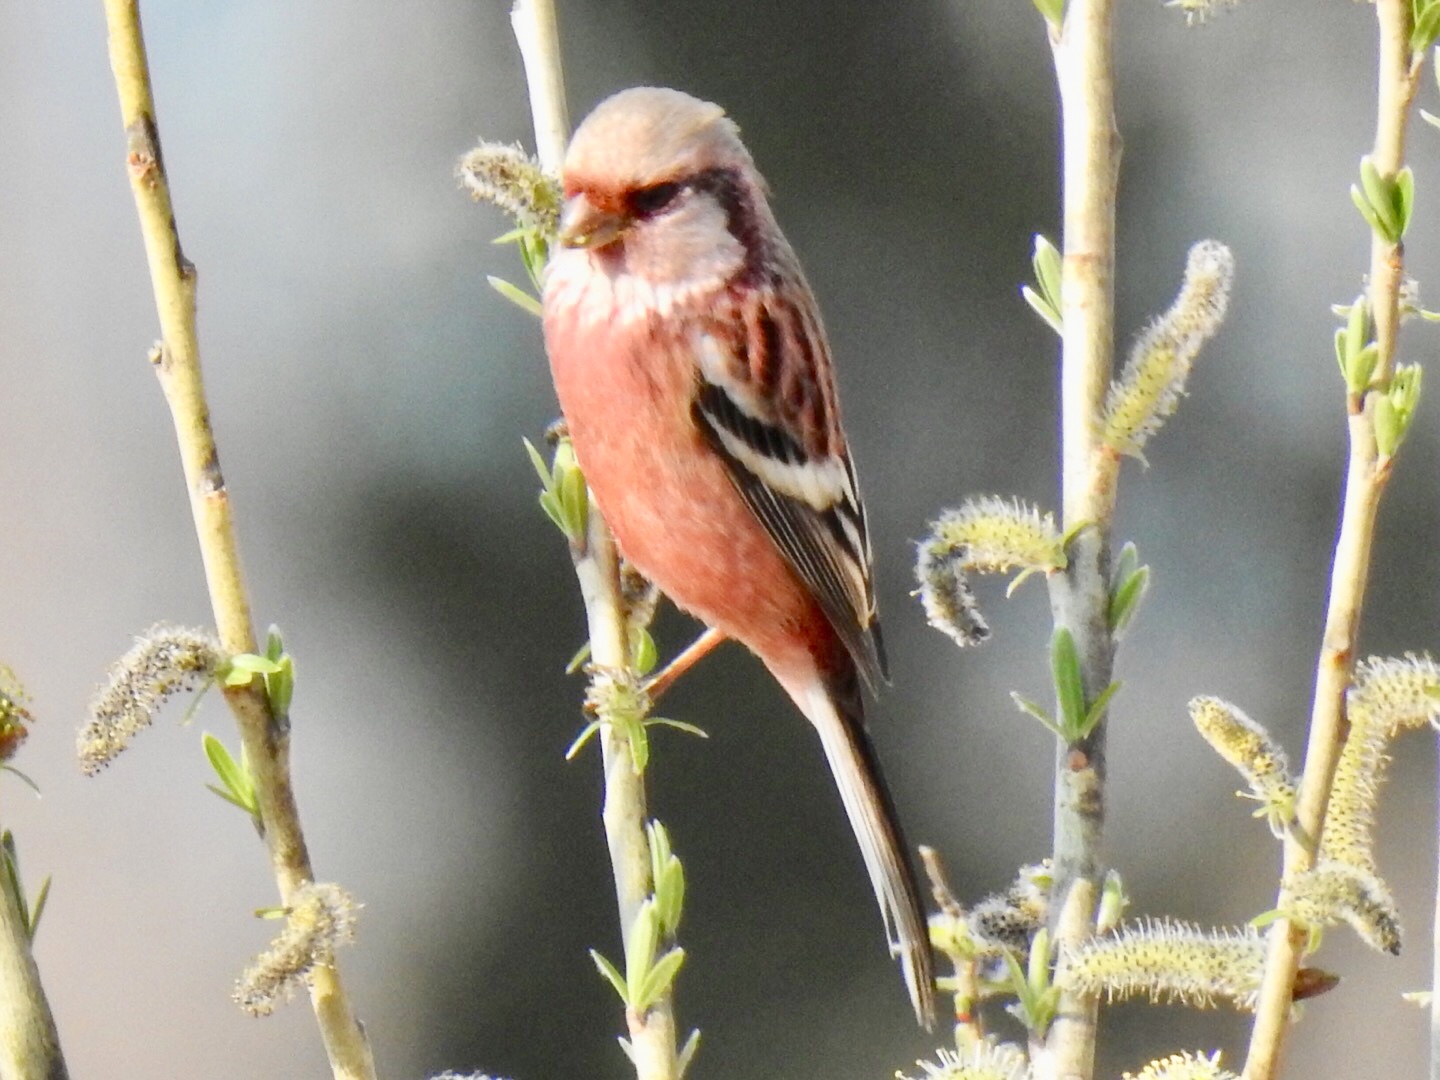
point(370, 394)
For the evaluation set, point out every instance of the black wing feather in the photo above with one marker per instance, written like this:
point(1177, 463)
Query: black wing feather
point(813, 541)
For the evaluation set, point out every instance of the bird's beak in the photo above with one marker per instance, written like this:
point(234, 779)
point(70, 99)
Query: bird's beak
point(585, 225)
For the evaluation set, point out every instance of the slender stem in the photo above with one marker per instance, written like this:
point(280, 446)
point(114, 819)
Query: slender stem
point(1365, 481)
point(29, 1041)
point(538, 36)
point(597, 568)
point(1435, 982)
point(1080, 597)
point(177, 363)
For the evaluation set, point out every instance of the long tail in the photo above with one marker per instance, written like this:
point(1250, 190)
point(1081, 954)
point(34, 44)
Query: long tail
point(837, 713)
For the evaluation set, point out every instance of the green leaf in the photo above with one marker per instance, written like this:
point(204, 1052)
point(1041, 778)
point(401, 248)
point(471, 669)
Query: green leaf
point(1126, 563)
point(1126, 598)
point(670, 896)
point(586, 733)
point(280, 687)
point(37, 906)
point(1038, 967)
point(1265, 918)
point(1069, 688)
point(1019, 580)
point(1380, 194)
point(254, 664)
point(643, 654)
point(1395, 408)
point(1025, 705)
point(606, 968)
point(1362, 368)
point(231, 799)
point(659, 979)
point(1046, 263)
point(678, 725)
point(22, 777)
point(639, 742)
point(687, 1053)
point(554, 510)
point(640, 946)
point(535, 253)
point(1126, 601)
point(658, 838)
point(542, 469)
point(1113, 903)
point(1043, 308)
point(578, 660)
point(1368, 213)
point(1054, 12)
point(575, 499)
point(237, 785)
point(1097, 708)
point(516, 295)
point(1426, 26)
point(1049, 268)
point(1404, 196)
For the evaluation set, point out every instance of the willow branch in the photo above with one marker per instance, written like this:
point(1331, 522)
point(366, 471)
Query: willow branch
point(538, 35)
point(1365, 481)
point(597, 568)
point(177, 363)
point(29, 1041)
point(1435, 984)
point(1080, 596)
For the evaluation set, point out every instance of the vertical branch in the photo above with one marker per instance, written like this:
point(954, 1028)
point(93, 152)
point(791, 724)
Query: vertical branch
point(1080, 597)
point(177, 363)
point(1366, 476)
point(29, 1041)
point(538, 35)
point(652, 1045)
point(1435, 982)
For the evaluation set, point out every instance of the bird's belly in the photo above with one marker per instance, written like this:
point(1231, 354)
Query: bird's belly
point(669, 499)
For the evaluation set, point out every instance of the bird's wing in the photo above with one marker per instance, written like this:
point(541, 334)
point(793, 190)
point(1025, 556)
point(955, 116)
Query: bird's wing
point(766, 401)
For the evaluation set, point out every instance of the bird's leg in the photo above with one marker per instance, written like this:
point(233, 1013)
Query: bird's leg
point(692, 655)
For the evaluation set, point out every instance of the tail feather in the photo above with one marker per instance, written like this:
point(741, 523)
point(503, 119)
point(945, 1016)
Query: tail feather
point(839, 719)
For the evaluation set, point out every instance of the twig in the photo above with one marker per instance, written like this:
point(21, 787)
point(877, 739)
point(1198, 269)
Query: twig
point(538, 35)
point(29, 1041)
point(1079, 597)
point(1365, 482)
point(177, 363)
point(597, 567)
point(1435, 984)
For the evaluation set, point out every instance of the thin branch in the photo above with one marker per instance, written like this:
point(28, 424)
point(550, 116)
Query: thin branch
point(538, 36)
point(1435, 984)
point(1365, 481)
point(29, 1041)
point(177, 363)
point(597, 567)
point(1080, 596)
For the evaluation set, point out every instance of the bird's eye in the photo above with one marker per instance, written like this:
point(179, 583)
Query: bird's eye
point(655, 198)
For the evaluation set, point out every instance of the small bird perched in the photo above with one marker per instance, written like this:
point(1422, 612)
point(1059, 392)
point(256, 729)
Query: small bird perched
point(696, 383)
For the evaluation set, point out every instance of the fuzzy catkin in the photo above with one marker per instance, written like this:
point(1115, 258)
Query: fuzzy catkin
point(321, 918)
point(1153, 380)
point(163, 661)
point(1165, 960)
point(987, 535)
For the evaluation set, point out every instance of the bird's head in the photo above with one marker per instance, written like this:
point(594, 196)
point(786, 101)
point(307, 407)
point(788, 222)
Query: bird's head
point(660, 181)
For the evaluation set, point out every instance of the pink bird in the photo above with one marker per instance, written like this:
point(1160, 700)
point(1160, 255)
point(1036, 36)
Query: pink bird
point(696, 382)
